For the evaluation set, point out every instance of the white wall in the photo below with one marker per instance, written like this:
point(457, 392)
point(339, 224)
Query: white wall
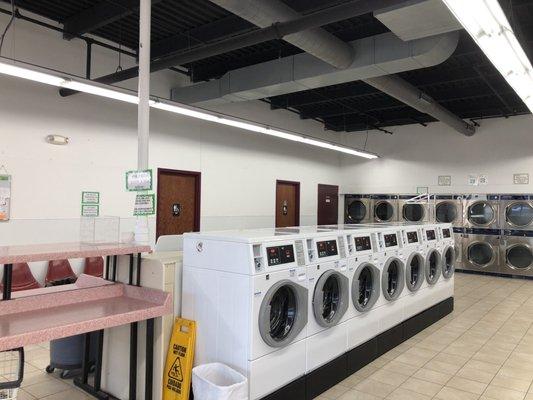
point(415, 156)
point(239, 169)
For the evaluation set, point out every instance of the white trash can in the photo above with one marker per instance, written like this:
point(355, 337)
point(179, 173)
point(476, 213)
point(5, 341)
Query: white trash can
point(217, 381)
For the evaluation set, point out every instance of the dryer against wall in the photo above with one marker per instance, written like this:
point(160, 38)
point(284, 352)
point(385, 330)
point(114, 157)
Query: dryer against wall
point(517, 253)
point(357, 209)
point(413, 211)
point(385, 207)
point(482, 211)
point(247, 291)
point(516, 212)
point(449, 209)
point(481, 250)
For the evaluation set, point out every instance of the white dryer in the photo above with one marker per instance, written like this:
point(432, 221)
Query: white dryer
point(329, 298)
point(247, 291)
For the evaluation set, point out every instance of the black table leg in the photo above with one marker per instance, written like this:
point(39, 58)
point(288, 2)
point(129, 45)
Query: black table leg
point(85, 365)
point(99, 357)
point(114, 268)
point(149, 381)
point(8, 273)
point(107, 260)
point(133, 360)
point(139, 259)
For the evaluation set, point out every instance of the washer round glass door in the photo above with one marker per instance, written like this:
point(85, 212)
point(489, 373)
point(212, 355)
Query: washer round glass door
point(414, 272)
point(283, 313)
point(446, 212)
point(357, 211)
point(519, 257)
point(448, 262)
point(519, 214)
point(481, 213)
point(365, 287)
point(393, 278)
point(384, 211)
point(330, 298)
point(413, 212)
point(433, 267)
point(480, 254)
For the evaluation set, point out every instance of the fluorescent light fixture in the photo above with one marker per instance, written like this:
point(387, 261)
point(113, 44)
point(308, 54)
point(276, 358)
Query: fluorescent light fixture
point(117, 94)
point(486, 22)
point(99, 91)
point(25, 73)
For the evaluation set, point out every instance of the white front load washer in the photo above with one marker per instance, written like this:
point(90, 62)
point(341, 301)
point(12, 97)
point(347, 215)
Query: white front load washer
point(329, 298)
point(432, 264)
point(364, 262)
point(447, 247)
point(247, 292)
point(392, 268)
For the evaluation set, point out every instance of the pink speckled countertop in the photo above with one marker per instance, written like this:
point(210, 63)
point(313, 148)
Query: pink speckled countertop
point(60, 251)
point(36, 319)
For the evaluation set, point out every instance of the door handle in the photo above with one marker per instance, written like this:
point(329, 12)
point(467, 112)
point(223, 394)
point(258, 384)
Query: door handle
point(176, 209)
point(285, 207)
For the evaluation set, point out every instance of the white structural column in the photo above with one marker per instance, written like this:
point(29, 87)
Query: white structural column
point(144, 83)
point(143, 116)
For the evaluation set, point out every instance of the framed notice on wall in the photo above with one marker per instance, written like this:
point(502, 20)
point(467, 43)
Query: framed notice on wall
point(5, 197)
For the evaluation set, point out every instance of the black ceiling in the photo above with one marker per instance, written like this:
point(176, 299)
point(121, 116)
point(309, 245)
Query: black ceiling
point(467, 83)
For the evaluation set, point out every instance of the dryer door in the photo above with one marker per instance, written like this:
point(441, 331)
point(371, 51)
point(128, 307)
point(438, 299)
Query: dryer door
point(481, 213)
point(283, 313)
point(433, 266)
point(356, 211)
point(393, 278)
point(446, 211)
point(365, 287)
point(330, 298)
point(519, 214)
point(383, 211)
point(414, 272)
point(519, 256)
point(448, 262)
point(413, 212)
point(480, 254)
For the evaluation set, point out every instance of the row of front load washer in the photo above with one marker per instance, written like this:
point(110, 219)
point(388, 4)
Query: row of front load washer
point(276, 304)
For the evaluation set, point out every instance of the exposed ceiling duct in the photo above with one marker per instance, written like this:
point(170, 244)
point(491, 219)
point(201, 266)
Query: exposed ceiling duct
point(405, 92)
point(317, 42)
point(376, 56)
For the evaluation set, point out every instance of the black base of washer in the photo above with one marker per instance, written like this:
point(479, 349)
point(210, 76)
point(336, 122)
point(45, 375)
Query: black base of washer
point(318, 381)
point(501, 275)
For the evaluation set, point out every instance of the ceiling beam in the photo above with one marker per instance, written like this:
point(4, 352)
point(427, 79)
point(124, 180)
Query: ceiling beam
point(99, 15)
point(224, 27)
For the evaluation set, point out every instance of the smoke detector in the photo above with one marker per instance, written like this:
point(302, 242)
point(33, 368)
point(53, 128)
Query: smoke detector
point(57, 140)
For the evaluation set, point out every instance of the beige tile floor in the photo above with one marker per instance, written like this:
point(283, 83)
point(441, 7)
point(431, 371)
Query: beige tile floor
point(483, 350)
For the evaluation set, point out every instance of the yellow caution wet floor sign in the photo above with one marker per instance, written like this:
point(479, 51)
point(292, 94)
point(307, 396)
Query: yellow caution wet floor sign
point(180, 357)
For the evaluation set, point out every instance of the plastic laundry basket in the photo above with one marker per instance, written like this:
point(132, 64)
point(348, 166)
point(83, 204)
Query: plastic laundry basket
point(217, 381)
point(11, 373)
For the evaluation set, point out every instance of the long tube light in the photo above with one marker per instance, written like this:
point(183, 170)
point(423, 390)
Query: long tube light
point(486, 22)
point(44, 76)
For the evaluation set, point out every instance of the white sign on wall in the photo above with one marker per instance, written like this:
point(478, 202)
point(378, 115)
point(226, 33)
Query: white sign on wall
point(483, 179)
point(5, 197)
point(521, 179)
point(473, 180)
point(445, 180)
point(139, 181)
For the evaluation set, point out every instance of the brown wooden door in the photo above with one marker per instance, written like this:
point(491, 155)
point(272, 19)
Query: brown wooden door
point(328, 205)
point(178, 202)
point(287, 204)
